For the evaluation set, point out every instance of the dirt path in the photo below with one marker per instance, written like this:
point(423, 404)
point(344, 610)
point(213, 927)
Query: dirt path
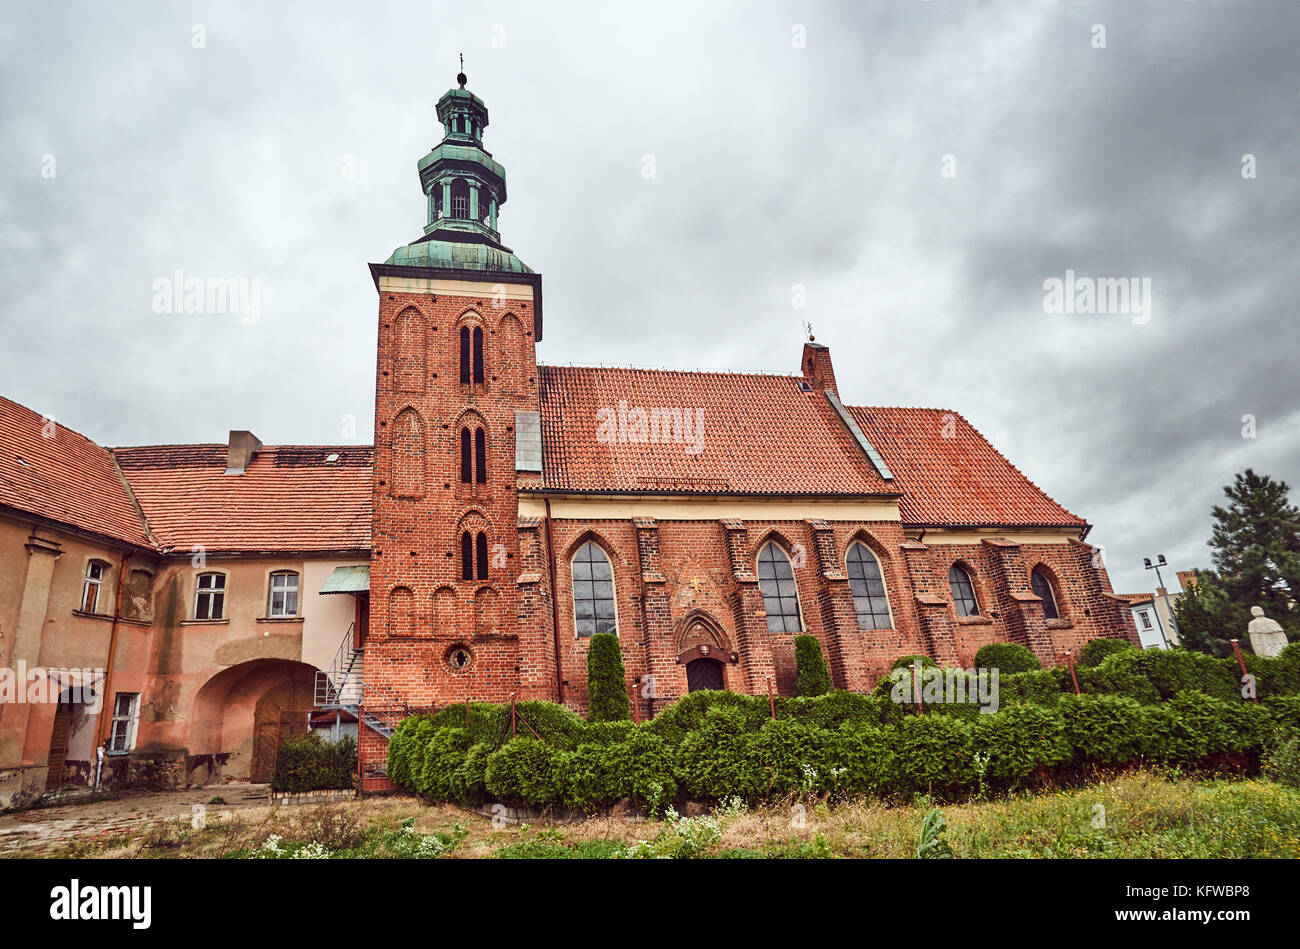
point(53, 825)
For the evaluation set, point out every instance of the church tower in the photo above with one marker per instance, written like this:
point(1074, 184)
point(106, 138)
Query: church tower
point(456, 430)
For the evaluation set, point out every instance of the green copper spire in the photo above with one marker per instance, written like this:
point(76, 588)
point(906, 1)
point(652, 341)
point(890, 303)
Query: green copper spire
point(464, 189)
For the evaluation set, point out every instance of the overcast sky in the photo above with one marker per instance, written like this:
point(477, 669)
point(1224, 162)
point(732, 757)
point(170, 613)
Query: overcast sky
point(919, 168)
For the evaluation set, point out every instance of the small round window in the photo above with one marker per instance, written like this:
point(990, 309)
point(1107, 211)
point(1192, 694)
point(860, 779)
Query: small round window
point(459, 658)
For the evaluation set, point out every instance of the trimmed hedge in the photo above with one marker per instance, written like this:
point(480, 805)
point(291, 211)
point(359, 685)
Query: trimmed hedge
point(1172, 708)
point(307, 763)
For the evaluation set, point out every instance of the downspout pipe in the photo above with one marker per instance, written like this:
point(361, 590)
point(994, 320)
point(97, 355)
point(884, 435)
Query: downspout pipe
point(555, 607)
point(106, 698)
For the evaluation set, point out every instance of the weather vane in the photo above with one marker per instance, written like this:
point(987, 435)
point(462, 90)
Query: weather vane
point(807, 328)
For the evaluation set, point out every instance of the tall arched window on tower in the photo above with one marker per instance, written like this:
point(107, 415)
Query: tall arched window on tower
point(466, 458)
point(1042, 586)
point(963, 591)
point(473, 556)
point(593, 592)
point(478, 355)
point(480, 456)
point(460, 198)
point(780, 595)
point(868, 588)
point(464, 355)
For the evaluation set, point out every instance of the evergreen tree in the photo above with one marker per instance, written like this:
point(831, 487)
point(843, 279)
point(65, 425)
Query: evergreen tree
point(1255, 546)
point(607, 699)
point(811, 675)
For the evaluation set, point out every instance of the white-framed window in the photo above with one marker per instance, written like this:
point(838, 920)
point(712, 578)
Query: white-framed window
point(1146, 619)
point(593, 592)
point(210, 596)
point(284, 594)
point(96, 571)
point(868, 588)
point(126, 719)
point(780, 594)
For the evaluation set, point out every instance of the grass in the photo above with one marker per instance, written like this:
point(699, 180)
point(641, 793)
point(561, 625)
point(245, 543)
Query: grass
point(1134, 815)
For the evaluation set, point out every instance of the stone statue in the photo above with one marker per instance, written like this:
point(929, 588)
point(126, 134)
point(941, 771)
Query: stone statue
point(1266, 635)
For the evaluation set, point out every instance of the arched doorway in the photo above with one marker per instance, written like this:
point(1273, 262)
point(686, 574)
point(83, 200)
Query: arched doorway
point(241, 711)
point(704, 674)
point(704, 649)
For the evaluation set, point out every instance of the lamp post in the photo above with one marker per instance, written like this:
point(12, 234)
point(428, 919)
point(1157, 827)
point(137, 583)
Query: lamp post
point(1160, 562)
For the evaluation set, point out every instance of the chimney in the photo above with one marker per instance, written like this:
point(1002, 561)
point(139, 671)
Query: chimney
point(240, 451)
point(817, 367)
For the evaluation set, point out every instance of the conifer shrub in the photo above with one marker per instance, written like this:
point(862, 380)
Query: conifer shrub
point(1102, 729)
point(811, 675)
point(444, 752)
point(687, 714)
point(713, 758)
point(469, 780)
point(1019, 741)
point(636, 766)
point(864, 760)
point(1038, 687)
point(902, 661)
point(1095, 650)
point(791, 757)
point(935, 754)
point(411, 733)
point(526, 772)
point(1120, 673)
point(307, 763)
point(607, 699)
point(1007, 658)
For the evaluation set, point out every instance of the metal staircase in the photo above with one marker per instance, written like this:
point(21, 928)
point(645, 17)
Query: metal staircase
point(343, 686)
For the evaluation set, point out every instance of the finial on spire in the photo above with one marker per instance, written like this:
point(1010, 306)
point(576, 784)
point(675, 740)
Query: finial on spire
point(460, 76)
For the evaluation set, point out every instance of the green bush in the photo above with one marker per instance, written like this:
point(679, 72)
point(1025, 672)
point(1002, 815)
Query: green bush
point(413, 731)
point(791, 757)
point(1038, 687)
point(444, 752)
point(1007, 658)
point(607, 699)
point(811, 675)
point(935, 754)
point(864, 760)
point(713, 761)
point(636, 766)
point(1103, 729)
point(1098, 649)
point(526, 772)
point(469, 780)
point(306, 763)
point(1021, 740)
point(688, 713)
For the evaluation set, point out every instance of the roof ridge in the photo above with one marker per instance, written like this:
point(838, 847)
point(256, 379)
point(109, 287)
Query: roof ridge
point(681, 372)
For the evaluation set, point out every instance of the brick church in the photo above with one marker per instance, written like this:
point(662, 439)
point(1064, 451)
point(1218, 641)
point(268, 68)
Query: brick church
point(509, 511)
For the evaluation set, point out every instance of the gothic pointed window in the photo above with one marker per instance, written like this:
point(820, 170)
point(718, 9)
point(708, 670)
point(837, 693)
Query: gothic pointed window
point(1042, 587)
point(464, 355)
point(963, 591)
point(478, 355)
point(480, 456)
point(481, 555)
point(467, 556)
point(780, 594)
point(868, 588)
point(593, 592)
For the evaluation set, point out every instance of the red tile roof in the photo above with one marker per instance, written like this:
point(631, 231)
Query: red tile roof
point(65, 477)
point(951, 475)
point(761, 434)
point(290, 498)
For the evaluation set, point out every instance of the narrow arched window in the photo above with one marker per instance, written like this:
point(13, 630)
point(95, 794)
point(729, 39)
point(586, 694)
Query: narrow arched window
point(593, 592)
point(868, 588)
point(780, 595)
point(963, 591)
point(480, 456)
point(467, 556)
point(465, 462)
point(481, 558)
point(478, 355)
point(1042, 586)
point(464, 355)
